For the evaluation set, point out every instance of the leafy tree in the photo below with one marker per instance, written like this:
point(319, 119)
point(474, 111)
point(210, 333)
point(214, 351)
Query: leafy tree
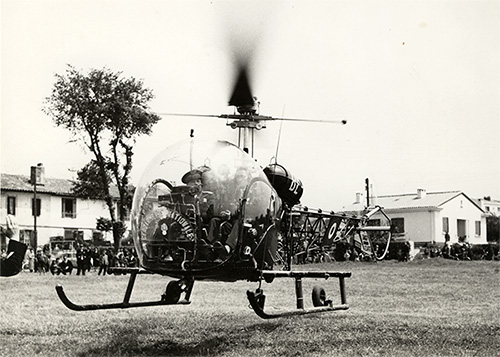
point(493, 228)
point(103, 224)
point(106, 113)
point(89, 183)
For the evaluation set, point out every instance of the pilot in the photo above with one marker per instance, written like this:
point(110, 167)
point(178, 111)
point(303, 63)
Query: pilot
point(193, 179)
point(203, 184)
point(12, 263)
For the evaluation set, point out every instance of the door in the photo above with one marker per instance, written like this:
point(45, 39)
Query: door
point(461, 229)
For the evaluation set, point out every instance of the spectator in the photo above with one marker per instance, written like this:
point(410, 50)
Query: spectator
point(446, 250)
point(42, 262)
point(104, 264)
point(406, 251)
point(66, 266)
point(87, 259)
point(31, 260)
point(80, 262)
point(12, 263)
point(347, 255)
point(54, 267)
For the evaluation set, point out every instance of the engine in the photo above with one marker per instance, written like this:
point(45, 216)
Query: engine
point(288, 187)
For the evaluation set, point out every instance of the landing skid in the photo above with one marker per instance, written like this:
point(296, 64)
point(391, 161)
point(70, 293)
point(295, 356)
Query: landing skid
point(183, 286)
point(257, 298)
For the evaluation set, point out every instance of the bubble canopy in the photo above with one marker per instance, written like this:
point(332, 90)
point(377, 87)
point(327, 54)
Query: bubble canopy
point(200, 191)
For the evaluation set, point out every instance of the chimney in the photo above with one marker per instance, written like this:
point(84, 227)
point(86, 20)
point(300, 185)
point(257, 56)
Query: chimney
point(359, 197)
point(37, 174)
point(421, 193)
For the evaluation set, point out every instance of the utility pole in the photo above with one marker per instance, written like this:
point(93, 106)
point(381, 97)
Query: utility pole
point(37, 178)
point(367, 187)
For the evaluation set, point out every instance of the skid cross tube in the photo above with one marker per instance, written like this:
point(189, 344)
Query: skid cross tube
point(257, 298)
point(125, 304)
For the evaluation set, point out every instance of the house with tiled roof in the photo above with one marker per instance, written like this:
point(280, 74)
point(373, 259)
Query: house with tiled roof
point(425, 217)
point(59, 213)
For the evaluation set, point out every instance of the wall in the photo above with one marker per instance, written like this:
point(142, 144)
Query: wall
point(462, 208)
point(418, 224)
point(50, 223)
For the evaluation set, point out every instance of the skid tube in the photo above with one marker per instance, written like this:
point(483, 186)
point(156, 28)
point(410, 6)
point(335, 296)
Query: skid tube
point(125, 304)
point(257, 298)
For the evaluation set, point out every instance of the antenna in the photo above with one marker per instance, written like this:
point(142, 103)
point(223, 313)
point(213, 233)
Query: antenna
point(279, 137)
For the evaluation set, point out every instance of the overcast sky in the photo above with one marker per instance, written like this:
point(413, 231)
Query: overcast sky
point(417, 81)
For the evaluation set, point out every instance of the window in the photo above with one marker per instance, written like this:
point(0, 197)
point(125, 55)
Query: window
point(446, 225)
point(68, 208)
point(11, 205)
point(38, 206)
point(478, 228)
point(398, 224)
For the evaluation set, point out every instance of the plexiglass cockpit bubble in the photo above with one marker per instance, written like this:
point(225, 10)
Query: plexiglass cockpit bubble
point(203, 202)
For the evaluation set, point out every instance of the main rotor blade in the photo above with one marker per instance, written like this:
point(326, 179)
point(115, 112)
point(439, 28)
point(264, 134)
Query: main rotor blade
point(242, 94)
point(343, 122)
point(189, 115)
point(254, 118)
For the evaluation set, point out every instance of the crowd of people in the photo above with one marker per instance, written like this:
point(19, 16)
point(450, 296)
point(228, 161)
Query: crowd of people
point(85, 260)
point(402, 252)
point(461, 251)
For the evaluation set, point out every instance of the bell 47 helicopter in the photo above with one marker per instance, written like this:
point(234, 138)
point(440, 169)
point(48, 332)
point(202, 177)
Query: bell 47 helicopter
point(205, 210)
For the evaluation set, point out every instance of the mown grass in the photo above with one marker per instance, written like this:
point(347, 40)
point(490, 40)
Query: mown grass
point(421, 308)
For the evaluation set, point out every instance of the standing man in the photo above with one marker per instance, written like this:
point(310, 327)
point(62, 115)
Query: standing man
point(80, 261)
point(13, 262)
point(104, 264)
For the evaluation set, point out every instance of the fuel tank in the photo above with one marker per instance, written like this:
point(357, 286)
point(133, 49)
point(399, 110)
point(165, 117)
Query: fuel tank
point(288, 187)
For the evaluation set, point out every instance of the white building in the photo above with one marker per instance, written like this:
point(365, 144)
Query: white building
point(60, 213)
point(426, 216)
point(489, 205)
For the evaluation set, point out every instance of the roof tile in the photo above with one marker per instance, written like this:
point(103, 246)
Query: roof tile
point(54, 186)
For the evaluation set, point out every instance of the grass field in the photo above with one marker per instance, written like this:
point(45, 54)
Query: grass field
point(421, 308)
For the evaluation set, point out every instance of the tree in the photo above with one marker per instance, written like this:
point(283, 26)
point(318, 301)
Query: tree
point(493, 229)
point(88, 184)
point(106, 113)
point(103, 224)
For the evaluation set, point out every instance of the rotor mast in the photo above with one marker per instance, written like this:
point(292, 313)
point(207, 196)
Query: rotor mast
point(247, 121)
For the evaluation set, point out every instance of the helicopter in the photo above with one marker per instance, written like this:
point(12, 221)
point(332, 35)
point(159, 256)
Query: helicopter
point(206, 210)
